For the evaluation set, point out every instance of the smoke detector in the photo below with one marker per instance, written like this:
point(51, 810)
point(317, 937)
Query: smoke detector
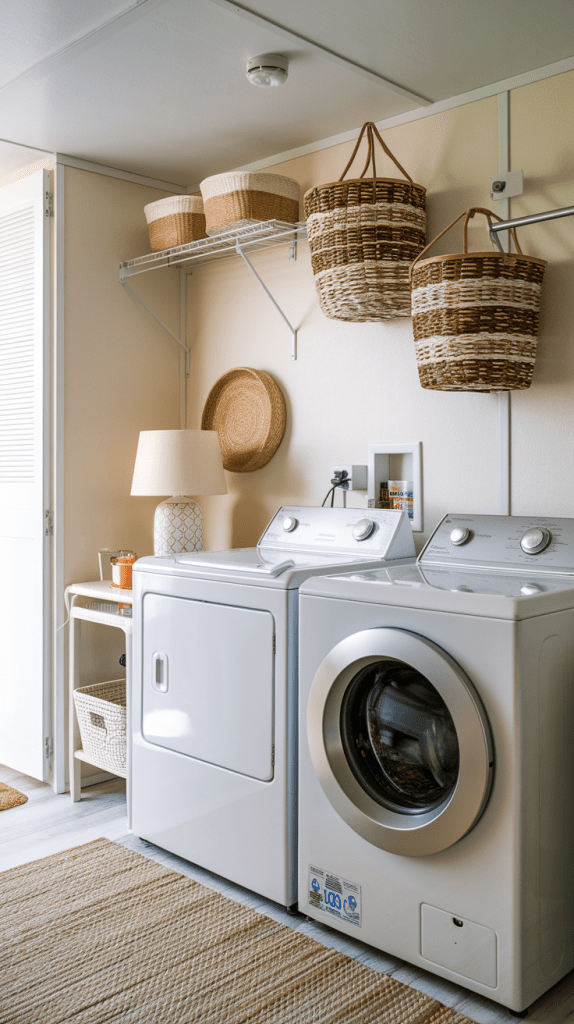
point(267, 69)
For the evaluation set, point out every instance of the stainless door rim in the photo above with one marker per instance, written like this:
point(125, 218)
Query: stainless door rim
point(412, 835)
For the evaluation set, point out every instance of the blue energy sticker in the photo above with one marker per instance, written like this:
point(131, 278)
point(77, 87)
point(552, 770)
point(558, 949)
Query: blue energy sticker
point(334, 896)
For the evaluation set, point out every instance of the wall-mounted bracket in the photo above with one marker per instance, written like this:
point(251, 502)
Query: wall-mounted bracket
point(507, 185)
point(157, 319)
point(293, 330)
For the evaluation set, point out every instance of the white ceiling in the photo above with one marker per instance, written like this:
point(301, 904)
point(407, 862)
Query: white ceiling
point(158, 87)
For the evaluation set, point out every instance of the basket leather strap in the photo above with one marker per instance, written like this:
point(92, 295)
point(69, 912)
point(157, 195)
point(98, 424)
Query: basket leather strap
point(467, 214)
point(372, 133)
point(490, 216)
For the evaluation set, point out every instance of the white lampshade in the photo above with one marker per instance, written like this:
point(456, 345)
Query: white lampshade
point(180, 463)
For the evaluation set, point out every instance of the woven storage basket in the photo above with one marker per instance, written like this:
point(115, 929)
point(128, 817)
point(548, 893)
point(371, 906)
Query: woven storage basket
point(240, 198)
point(101, 712)
point(364, 234)
point(475, 316)
point(175, 221)
point(247, 409)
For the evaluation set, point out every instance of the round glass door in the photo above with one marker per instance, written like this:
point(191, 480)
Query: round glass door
point(399, 738)
point(399, 741)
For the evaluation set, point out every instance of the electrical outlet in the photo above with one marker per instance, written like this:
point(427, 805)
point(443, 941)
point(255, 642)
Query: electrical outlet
point(356, 479)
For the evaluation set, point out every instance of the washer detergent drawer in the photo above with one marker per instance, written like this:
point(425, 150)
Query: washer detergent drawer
point(208, 682)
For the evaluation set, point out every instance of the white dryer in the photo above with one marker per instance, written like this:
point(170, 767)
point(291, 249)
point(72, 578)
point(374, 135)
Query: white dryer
point(214, 706)
point(436, 804)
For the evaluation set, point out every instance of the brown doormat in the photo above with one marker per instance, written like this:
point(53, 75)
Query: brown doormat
point(10, 797)
point(100, 933)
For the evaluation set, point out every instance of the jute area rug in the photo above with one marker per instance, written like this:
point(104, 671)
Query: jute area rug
point(99, 934)
point(10, 797)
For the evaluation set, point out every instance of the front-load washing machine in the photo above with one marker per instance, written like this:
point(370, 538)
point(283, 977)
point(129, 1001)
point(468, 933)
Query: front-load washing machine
point(436, 802)
point(214, 708)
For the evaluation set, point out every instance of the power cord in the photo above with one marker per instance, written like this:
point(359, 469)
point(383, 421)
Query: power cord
point(341, 479)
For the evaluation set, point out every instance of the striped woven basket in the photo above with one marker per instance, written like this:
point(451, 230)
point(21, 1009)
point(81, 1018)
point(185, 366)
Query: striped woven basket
point(364, 234)
point(175, 220)
point(475, 316)
point(240, 198)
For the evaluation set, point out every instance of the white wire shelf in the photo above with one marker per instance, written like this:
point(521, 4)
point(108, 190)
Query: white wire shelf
point(265, 234)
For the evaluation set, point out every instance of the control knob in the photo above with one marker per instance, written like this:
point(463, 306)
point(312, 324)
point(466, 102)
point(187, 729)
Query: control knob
point(363, 529)
point(290, 523)
point(535, 540)
point(459, 535)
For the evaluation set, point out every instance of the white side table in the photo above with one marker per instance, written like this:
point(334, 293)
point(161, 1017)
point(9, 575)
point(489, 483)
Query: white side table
point(78, 595)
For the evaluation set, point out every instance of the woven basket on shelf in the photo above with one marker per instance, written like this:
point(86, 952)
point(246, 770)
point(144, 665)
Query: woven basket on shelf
point(175, 221)
point(475, 316)
point(101, 713)
point(240, 198)
point(364, 234)
point(247, 409)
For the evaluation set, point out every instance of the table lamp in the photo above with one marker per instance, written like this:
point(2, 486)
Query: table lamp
point(178, 462)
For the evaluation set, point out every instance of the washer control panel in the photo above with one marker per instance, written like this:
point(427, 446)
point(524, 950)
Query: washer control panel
point(533, 543)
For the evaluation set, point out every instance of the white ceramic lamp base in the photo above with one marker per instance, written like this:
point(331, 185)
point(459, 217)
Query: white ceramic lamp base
point(177, 526)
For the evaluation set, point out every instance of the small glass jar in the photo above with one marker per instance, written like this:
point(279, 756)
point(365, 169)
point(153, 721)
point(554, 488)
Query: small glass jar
point(122, 569)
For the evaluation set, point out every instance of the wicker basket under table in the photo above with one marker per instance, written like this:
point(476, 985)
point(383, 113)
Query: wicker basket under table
point(101, 713)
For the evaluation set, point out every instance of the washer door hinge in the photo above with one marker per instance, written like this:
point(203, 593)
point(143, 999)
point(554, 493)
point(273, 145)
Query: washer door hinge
point(49, 530)
point(274, 644)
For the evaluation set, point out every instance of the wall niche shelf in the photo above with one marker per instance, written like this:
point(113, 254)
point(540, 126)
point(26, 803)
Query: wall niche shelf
point(254, 237)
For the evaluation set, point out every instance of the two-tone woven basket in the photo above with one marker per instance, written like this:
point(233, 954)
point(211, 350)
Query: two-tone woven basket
point(175, 220)
point(101, 714)
point(241, 198)
point(363, 235)
point(475, 316)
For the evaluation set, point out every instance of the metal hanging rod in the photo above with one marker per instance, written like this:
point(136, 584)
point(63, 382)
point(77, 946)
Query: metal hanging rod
point(535, 218)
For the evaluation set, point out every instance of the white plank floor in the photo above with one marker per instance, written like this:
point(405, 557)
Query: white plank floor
point(49, 823)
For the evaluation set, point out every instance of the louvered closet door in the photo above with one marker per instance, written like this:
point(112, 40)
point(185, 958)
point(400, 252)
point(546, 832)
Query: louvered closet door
point(24, 476)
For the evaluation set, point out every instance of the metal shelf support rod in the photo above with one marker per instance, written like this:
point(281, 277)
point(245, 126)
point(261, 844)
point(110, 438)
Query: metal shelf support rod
point(535, 218)
point(267, 292)
point(161, 324)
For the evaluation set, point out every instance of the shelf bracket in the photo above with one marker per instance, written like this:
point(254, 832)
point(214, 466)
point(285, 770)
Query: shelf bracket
point(293, 330)
point(157, 319)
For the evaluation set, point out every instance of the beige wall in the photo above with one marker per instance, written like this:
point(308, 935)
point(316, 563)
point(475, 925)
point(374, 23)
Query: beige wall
point(356, 384)
point(542, 143)
point(352, 384)
point(121, 376)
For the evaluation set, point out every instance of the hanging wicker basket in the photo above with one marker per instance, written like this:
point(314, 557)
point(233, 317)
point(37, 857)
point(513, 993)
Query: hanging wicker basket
point(364, 234)
point(475, 316)
point(247, 409)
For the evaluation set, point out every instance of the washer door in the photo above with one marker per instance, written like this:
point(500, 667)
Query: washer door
point(399, 741)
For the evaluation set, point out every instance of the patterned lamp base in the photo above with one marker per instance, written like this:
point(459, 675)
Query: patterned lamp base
point(177, 526)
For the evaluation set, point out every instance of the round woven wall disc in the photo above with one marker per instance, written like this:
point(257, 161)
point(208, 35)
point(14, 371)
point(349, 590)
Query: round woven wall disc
point(247, 409)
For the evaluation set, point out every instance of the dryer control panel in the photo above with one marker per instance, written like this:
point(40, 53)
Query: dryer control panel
point(520, 543)
point(378, 532)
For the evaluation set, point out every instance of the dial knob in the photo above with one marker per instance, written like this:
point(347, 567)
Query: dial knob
point(290, 524)
point(459, 535)
point(535, 540)
point(528, 589)
point(363, 529)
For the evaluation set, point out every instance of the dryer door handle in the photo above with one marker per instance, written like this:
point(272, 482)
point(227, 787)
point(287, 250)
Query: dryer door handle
point(159, 674)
